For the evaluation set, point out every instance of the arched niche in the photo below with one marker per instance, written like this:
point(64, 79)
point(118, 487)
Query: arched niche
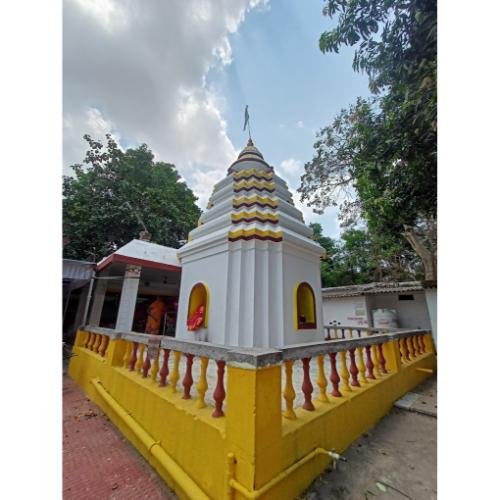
point(304, 307)
point(199, 296)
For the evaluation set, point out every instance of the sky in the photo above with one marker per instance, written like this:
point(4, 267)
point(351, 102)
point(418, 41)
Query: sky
point(177, 75)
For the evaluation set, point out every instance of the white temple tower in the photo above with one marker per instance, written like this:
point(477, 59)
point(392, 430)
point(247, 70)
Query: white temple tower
point(252, 263)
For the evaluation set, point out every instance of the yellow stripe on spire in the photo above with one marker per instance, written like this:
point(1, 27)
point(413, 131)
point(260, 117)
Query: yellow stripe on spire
point(254, 183)
point(248, 234)
point(254, 214)
point(254, 200)
point(253, 172)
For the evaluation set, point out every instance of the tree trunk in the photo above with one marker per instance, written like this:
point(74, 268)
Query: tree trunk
point(425, 251)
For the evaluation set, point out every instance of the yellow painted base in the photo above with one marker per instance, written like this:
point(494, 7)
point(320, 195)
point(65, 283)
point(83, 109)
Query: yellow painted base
point(334, 425)
point(262, 443)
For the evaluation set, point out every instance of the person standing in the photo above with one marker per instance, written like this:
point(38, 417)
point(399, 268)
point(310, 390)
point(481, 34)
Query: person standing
point(156, 311)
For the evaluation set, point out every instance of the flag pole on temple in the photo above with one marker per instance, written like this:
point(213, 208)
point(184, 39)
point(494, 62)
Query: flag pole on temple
point(247, 123)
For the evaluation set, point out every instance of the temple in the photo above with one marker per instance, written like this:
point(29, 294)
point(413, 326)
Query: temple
point(256, 395)
point(250, 270)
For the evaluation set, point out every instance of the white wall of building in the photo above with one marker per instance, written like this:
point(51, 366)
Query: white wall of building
point(348, 311)
point(431, 299)
point(357, 311)
point(410, 313)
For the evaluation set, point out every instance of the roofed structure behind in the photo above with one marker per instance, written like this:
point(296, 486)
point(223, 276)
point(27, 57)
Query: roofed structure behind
point(372, 289)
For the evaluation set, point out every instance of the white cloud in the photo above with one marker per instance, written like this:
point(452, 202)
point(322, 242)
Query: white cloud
point(138, 70)
point(300, 124)
point(110, 14)
point(90, 121)
point(290, 170)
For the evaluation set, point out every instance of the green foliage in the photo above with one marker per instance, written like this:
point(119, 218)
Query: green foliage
point(102, 203)
point(378, 159)
point(358, 257)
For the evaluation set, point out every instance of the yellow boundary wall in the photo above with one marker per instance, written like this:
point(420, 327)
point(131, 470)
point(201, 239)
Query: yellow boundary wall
point(189, 435)
point(253, 431)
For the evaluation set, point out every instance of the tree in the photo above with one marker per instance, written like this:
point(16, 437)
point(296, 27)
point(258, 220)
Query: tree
point(104, 203)
point(358, 257)
point(377, 160)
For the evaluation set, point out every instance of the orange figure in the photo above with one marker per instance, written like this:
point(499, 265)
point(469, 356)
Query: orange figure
point(196, 319)
point(155, 314)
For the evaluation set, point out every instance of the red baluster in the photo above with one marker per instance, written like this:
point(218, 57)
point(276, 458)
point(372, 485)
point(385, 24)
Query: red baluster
point(146, 366)
point(381, 358)
point(405, 350)
point(353, 369)
point(164, 368)
point(334, 376)
point(133, 359)
point(369, 363)
point(219, 393)
point(187, 382)
point(307, 387)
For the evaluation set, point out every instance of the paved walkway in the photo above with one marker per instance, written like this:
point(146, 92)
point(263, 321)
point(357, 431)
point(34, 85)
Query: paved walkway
point(98, 463)
point(423, 399)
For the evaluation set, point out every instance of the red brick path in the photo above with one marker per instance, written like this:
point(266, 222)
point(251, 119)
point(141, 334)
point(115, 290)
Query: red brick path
point(98, 463)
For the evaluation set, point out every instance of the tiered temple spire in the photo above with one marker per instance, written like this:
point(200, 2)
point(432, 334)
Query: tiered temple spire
point(251, 266)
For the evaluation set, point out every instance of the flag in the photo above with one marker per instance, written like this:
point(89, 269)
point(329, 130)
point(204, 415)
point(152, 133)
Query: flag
point(247, 118)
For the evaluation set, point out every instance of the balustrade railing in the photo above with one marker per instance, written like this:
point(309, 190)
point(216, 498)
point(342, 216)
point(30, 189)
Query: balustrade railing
point(342, 332)
point(97, 340)
point(353, 362)
point(171, 364)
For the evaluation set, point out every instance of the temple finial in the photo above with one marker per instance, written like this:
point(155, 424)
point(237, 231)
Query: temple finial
point(247, 123)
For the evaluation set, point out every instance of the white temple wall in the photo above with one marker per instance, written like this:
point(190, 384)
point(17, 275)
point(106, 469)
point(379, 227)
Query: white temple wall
point(255, 312)
point(276, 296)
point(233, 298)
point(247, 298)
point(211, 270)
point(299, 267)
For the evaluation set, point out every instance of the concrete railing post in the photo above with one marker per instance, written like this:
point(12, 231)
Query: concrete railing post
point(253, 421)
point(115, 351)
point(80, 338)
point(392, 356)
point(429, 343)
